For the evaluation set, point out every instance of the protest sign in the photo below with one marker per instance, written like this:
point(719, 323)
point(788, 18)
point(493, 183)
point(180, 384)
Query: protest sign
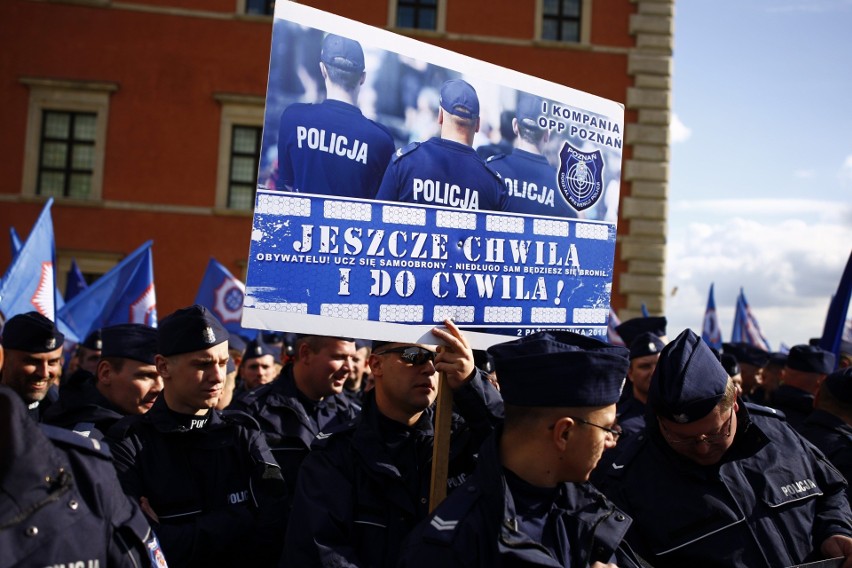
point(360, 229)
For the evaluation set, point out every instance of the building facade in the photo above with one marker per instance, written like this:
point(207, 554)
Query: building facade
point(143, 118)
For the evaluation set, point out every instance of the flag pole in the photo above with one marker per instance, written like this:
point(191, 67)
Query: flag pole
point(441, 444)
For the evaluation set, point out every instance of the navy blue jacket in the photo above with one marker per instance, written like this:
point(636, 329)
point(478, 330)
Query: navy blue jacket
point(216, 490)
point(833, 437)
point(531, 183)
point(363, 488)
point(60, 500)
point(443, 172)
point(477, 526)
point(771, 501)
point(795, 403)
point(332, 149)
point(82, 408)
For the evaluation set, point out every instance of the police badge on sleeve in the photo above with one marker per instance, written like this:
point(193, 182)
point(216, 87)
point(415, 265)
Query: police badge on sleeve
point(580, 176)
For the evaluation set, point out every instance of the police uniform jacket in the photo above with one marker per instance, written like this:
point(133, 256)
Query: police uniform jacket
point(82, 408)
point(531, 183)
point(443, 172)
point(477, 526)
point(216, 489)
point(366, 485)
point(60, 501)
point(771, 500)
point(833, 437)
point(280, 409)
point(795, 403)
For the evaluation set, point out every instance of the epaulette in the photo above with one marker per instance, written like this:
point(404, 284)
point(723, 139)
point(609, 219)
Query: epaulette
point(447, 518)
point(495, 157)
point(240, 418)
point(66, 439)
point(495, 173)
point(322, 439)
point(764, 410)
point(405, 150)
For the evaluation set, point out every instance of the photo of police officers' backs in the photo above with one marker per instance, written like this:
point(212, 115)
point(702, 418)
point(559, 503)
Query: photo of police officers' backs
point(349, 119)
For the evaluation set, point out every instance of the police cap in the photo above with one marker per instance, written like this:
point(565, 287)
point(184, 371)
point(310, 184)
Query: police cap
point(189, 329)
point(130, 341)
point(459, 98)
point(31, 332)
point(839, 384)
point(257, 348)
point(646, 344)
point(529, 109)
point(810, 359)
point(729, 362)
point(94, 341)
point(747, 353)
point(630, 329)
point(688, 382)
point(559, 369)
point(343, 53)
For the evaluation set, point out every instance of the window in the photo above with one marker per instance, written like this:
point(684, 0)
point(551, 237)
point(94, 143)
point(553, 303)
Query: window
point(260, 7)
point(245, 154)
point(66, 138)
point(561, 20)
point(240, 134)
point(418, 14)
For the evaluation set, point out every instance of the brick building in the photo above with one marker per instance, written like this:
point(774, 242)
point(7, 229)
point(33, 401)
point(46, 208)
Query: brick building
point(142, 118)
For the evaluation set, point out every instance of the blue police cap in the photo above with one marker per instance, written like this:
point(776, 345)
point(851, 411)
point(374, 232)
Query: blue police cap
point(257, 348)
point(559, 369)
point(459, 98)
point(130, 341)
point(343, 53)
point(777, 358)
point(189, 329)
point(93, 341)
point(747, 353)
point(31, 332)
point(730, 364)
point(646, 344)
point(810, 359)
point(236, 342)
point(528, 110)
point(630, 329)
point(689, 380)
point(839, 384)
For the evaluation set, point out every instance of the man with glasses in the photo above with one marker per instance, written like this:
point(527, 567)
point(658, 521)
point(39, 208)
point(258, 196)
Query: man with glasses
point(527, 503)
point(364, 486)
point(718, 482)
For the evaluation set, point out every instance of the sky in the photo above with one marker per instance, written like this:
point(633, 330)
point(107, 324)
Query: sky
point(760, 185)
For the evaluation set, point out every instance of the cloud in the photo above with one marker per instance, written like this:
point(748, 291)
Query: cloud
point(678, 131)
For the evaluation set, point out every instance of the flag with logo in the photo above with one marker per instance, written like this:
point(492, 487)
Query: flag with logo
point(222, 293)
point(29, 283)
point(76, 282)
point(746, 329)
point(711, 333)
point(125, 294)
point(835, 320)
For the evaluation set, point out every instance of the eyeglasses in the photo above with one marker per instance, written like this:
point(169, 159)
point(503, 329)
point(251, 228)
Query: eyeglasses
point(412, 354)
point(614, 432)
point(702, 439)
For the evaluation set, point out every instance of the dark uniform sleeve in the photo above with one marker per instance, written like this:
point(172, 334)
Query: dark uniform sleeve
point(480, 404)
point(389, 188)
point(834, 516)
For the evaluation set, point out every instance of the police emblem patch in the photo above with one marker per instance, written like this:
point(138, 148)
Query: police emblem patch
point(208, 335)
point(580, 176)
point(50, 344)
point(681, 418)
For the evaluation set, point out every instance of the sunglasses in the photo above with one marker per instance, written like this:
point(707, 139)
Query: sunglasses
point(413, 354)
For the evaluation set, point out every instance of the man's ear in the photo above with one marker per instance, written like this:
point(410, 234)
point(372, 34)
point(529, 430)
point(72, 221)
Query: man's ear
point(562, 429)
point(163, 365)
point(104, 372)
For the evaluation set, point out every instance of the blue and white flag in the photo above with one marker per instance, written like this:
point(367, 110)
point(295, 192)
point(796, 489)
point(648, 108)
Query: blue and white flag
point(711, 333)
point(14, 242)
point(746, 329)
point(835, 320)
point(612, 336)
point(29, 283)
point(223, 294)
point(76, 282)
point(125, 294)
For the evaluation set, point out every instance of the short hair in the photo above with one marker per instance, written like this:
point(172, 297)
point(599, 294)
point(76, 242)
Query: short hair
point(461, 122)
point(343, 77)
point(730, 396)
point(531, 134)
point(526, 417)
point(117, 363)
point(316, 342)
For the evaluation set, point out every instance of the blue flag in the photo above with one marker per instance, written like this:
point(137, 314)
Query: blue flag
point(76, 282)
point(125, 294)
point(835, 321)
point(746, 328)
point(29, 283)
point(14, 242)
point(711, 333)
point(222, 294)
point(645, 313)
point(613, 322)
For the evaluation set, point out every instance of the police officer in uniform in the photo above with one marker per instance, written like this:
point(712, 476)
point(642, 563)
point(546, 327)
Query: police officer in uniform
point(257, 367)
point(127, 382)
point(366, 484)
point(529, 177)
point(447, 171)
point(86, 359)
point(205, 478)
point(829, 426)
point(718, 482)
point(644, 353)
point(807, 366)
point(527, 503)
point(752, 359)
point(32, 361)
point(60, 501)
point(331, 148)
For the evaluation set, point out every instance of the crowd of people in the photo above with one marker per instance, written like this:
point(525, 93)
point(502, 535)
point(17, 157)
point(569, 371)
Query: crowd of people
point(187, 445)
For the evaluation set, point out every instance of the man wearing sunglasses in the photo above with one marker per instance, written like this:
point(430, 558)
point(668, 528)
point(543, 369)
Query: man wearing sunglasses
point(718, 482)
point(364, 486)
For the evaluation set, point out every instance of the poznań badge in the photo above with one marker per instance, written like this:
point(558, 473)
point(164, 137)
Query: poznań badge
point(580, 176)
